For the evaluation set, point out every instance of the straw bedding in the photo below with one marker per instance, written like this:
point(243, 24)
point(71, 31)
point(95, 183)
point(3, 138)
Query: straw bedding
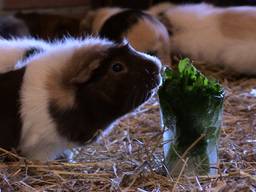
point(130, 158)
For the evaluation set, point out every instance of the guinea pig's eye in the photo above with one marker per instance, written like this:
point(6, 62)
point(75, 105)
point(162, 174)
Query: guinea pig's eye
point(117, 67)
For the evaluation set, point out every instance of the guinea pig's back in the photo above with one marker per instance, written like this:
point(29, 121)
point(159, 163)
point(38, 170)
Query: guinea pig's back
point(238, 23)
point(219, 36)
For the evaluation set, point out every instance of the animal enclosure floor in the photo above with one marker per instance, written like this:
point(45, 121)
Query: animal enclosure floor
point(130, 158)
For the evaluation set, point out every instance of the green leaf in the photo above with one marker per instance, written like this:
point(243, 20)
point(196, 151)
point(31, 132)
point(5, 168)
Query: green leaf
point(192, 80)
point(182, 65)
point(168, 73)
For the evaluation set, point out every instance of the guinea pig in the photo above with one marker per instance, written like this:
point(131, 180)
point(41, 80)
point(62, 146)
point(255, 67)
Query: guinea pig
point(143, 31)
point(65, 95)
point(15, 52)
point(50, 26)
point(12, 27)
point(217, 36)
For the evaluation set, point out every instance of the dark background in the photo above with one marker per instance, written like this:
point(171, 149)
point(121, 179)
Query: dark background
point(143, 4)
point(139, 4)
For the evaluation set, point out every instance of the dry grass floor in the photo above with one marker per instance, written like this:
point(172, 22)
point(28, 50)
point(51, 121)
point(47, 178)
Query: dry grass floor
point(130, 158)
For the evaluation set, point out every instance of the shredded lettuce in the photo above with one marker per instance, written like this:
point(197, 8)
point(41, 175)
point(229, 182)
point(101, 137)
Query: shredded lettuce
point(191, 80)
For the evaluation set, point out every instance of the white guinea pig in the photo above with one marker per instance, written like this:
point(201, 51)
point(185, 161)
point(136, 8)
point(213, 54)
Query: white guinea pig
point(143, 31)
point(69, 91)
point(220, 36)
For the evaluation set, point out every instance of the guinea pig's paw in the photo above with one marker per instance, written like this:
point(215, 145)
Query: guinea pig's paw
point(68, 155)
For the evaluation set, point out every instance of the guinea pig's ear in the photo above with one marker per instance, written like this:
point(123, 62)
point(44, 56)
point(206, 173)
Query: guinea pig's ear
point(83, 63)
point(85, 73)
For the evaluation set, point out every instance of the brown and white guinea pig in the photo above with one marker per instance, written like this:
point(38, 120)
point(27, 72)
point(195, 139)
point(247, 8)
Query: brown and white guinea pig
point(143, 31)
point(12, 27)
point(50, 26)
point(61, 96)
point(218, 36)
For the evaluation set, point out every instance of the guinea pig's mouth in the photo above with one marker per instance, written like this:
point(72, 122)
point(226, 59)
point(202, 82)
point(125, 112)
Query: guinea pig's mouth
point(142, 96)
point(147, 95)
point(156, 81)
point(140, 93)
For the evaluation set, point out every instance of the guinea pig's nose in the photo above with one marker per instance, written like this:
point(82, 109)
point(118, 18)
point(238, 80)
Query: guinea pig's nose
point(157, 67)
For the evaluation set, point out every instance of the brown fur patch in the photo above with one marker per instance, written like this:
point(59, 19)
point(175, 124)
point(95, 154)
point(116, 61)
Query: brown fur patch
point(238, 25)
point(62, 95)
point(61, 85)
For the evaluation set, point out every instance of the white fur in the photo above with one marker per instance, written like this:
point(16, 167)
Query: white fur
point(196, 33)
point(39, 138)
point(13, 50)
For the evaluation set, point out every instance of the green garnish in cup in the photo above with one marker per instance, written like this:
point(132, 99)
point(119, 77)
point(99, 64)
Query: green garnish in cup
point(191, 115)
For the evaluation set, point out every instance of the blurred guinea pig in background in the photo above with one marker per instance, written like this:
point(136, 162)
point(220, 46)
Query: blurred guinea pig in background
point(217, 36)
point(12, 27)
point(143, 31)
point(50, 26)
point(65, 93)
